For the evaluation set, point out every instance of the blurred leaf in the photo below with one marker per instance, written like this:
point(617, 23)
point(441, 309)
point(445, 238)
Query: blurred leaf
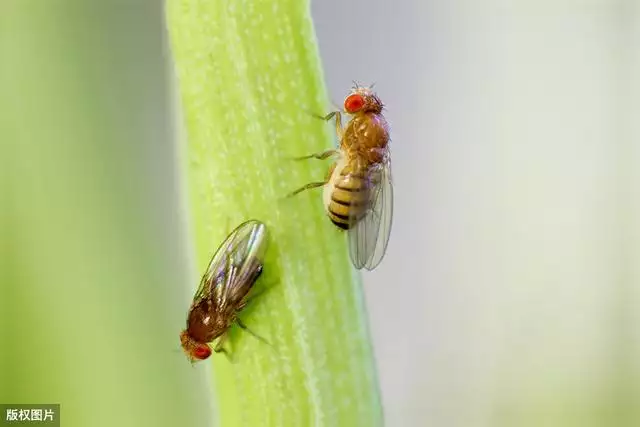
point(93, 275)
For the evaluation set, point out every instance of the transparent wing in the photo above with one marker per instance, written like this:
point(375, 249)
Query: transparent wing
point(370, 229)
point(234, 267)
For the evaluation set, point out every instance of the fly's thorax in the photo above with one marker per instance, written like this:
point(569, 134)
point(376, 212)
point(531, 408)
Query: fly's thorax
point(366, 136)
point(206, 321)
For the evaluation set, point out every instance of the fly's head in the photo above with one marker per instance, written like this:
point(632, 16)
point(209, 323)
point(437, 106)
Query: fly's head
point(362, 99)
point(194, 350)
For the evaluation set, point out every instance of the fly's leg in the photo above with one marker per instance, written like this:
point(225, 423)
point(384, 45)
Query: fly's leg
point(244, 327)
point(316, 184)
point(338, 116)
point(306, 187)
point(321, 156)
point(220, 349)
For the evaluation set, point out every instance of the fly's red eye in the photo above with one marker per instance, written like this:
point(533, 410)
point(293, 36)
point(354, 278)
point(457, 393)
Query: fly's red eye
point(202, 352)
point(353, 103)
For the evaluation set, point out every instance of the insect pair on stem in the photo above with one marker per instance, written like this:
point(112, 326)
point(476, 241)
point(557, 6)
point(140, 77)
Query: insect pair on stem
point(358, 198)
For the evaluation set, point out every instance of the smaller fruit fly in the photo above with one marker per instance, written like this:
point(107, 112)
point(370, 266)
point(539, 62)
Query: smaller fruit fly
point(358, 193)
point(224, 289)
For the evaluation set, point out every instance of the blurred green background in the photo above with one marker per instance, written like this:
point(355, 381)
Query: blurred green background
point(95, 259)
point(509, 295)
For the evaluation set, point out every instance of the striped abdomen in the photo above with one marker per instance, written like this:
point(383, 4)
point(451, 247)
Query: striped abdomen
point(346, 194)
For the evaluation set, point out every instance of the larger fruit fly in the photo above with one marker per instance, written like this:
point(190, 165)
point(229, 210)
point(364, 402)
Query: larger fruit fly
point(358, 194)
point(224, 290)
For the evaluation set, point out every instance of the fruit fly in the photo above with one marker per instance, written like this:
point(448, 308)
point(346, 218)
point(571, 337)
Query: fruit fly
point(224, 289)
point(358, 194)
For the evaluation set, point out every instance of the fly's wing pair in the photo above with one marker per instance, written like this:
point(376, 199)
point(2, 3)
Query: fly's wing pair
point(369, 231)
point(234, 267)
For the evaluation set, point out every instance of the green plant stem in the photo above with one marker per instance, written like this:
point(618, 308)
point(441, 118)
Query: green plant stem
point(249, 78)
